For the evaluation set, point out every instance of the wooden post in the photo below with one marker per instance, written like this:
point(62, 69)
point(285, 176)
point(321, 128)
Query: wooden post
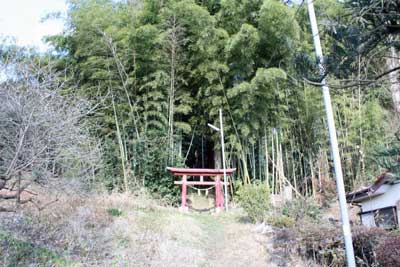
point(216, 194)
point(184, 208)
point(219, 199)
point(222, 201)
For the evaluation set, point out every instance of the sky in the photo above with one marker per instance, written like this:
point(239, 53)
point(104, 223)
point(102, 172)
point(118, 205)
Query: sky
point(21, 19)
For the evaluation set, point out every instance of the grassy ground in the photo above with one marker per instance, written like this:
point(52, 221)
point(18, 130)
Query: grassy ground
point(16, 252)
point(125, 230)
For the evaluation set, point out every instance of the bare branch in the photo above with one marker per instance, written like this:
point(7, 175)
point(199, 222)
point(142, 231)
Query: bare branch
point(43, 130)
point(3, 209)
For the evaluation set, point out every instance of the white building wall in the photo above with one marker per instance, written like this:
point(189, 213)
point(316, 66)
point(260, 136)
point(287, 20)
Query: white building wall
point(389, 198)
point(368, 220)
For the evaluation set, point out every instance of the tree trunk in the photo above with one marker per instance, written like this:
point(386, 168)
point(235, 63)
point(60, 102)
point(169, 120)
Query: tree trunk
point(217, 159)
point(393, 61)
point(171, 107)
point(246, 176)
point(121, 148)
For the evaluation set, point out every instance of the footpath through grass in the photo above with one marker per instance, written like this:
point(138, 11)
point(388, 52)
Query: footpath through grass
point(118, 230)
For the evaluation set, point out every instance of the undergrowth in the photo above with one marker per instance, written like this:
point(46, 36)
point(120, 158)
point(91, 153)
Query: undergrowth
point(299, 229)
point(254, 199)
point(16, 252)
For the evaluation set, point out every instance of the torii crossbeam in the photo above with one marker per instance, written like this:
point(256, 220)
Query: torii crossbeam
point(217, 173)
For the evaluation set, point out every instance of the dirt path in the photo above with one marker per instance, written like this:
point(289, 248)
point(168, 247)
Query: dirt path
point(232, 242)
point(241, 247)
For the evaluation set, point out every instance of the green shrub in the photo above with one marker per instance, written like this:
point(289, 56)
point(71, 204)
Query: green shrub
point(114, 212)
point(147, 168)
point(254, 199)
point(281, 221)
point(299, 209)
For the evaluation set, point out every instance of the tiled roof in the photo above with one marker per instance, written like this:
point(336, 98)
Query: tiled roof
point(384, 178)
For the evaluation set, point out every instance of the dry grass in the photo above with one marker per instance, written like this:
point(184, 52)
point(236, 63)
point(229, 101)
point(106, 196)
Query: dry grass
point(125, 230)
point(107, 230)
point(81, 229)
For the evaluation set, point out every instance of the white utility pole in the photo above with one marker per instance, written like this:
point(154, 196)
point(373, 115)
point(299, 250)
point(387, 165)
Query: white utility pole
point(221, 131)
point(333, 140)
point(221, 127)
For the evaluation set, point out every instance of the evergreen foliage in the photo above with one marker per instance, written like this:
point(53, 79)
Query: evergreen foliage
point(164, 68)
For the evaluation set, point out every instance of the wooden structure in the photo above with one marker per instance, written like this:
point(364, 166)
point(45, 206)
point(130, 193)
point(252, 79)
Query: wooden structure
point(201, 173)
point(379, 202)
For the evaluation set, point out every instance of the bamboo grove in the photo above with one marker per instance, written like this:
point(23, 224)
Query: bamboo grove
point(162, 69)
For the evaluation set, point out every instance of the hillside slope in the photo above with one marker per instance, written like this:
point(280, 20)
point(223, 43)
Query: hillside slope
point(123, 230)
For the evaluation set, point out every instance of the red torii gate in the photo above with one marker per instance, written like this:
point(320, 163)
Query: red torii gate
point(217, 173)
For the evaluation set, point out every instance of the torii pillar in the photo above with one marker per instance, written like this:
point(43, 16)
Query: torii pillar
point(217, 173)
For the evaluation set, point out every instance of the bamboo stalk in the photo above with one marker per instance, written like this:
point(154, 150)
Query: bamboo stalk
point(121, 147)
point(253, 159)
point(246, 175)
point(273, 162)
point(291, 186)
point(312, 175)
point(266, 161)
point(280, 173)
point(260, 158)
point(287, 164)
point(293, 165)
